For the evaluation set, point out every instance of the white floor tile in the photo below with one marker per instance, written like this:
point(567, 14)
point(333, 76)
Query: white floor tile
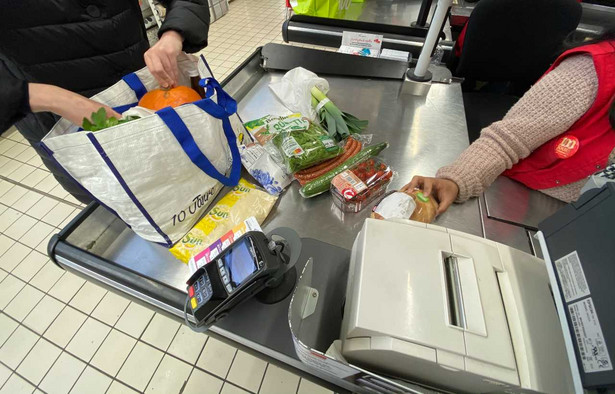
point(65, 326)
point(58, 214)
point(24, 302)
point(48, 183)
point(27, 201)
point(42, 247)
point(7, 218)
point(134, 320)
point(140, 366)
point(17, 346)
point(10, 166)
point(20, 227)
point(36, 161)
point(4, 374)
point(187, 344)
point(307, 387)
point(91, 382)
point(9, 288)
point(66, 288)
point(58, 191)
point(201, 382)
point(110, 308)
point(88, 339)
point(5, 243)
point(63, 375)
point(247, 371)
point(170, 376)
point(36, 234)
point(7, 326)
point(42, 207)
point(21, 172)
point(15, 150)
point(35, 177)
point(13, 256)
point(47, 276)
point(3, 274)
point(113, 352)
point(5, 186)
point(30, 265)
point(160, 331)
point(279, 381)
point(38, 361)
point(26, 155)
point(16, 385)
point(43, 314)
point(70, 217)
point(217, 357)
point(230, 389)
point(15, 193)
point(119, 388)
point(88, 297)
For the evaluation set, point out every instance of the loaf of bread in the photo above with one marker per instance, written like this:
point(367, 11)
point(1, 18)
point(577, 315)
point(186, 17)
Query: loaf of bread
point(426, 207)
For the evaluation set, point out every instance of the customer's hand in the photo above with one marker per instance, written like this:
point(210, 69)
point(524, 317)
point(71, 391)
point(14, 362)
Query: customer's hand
point(444, 190)
point(161, 59)
point(65, 103)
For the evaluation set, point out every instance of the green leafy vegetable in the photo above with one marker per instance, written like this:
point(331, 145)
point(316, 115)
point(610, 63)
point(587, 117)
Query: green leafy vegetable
point(339, 124)
point(301, 149)
point(100, 121)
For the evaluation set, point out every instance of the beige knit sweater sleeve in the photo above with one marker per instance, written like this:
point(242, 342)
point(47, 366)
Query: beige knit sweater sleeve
point(547, 110)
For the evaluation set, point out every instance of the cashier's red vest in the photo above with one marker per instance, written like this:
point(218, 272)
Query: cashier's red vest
point(543, 169)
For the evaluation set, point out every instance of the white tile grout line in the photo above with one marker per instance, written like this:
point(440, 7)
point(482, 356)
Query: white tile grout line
point(33, 189)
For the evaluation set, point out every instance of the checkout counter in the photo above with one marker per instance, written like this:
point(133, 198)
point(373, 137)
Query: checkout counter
point(424, 133)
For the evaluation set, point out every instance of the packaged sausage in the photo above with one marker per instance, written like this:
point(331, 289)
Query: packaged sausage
point(353, 189)
point(243, 201)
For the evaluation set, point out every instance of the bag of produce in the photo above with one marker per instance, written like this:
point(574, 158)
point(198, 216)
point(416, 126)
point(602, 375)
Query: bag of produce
point(265, 128)
point(301, 149)
point(243, 201)
point(159, 173)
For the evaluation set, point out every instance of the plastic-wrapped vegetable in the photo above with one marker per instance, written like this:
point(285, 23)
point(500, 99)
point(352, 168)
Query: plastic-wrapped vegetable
point(303, 149)
point(356, 187)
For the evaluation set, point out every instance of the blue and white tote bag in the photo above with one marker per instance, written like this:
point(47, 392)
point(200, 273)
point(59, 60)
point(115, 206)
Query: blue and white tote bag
point(161, 172)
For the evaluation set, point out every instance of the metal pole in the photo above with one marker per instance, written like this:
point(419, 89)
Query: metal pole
point(419, 73)
point(421, 20)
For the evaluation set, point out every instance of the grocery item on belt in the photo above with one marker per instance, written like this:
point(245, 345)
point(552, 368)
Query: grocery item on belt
point(396, 205)
point(321, 184)
point(243, 201)
point(270, 174)
point(265, 128)
point(339, 124)
point(356, 187)
point(351, 148)
point(301, 149)
point(426, 207)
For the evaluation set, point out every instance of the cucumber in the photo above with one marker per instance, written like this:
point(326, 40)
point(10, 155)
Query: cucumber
point(322, 183)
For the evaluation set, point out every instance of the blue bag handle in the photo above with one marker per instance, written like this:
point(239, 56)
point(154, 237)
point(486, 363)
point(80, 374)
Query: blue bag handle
point(225, 107)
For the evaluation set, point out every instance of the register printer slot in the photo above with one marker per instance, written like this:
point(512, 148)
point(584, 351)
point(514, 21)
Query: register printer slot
point(445, 308)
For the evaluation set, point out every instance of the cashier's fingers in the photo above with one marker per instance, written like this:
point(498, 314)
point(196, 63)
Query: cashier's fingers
point(416, 182)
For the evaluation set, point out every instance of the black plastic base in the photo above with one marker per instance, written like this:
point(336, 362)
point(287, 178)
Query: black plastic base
point(410, 74)
point(281, 291)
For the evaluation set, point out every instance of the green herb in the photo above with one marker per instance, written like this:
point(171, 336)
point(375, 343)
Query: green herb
point(304, 148)
point(339, 124)
point(100, 121)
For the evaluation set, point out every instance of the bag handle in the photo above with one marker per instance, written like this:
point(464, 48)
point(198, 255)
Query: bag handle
point(225, 107)
point(133, 82)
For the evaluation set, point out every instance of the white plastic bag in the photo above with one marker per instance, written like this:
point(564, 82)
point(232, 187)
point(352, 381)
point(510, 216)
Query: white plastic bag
point(293, 90)
point(160, 173)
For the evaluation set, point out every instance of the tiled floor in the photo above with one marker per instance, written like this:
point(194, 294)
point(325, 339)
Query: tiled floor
point(59, 333)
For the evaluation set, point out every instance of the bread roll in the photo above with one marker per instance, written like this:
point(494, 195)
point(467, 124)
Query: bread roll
point(426, 207)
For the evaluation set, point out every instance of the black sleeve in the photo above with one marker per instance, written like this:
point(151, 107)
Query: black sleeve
point(13, 96)
point(190, 18)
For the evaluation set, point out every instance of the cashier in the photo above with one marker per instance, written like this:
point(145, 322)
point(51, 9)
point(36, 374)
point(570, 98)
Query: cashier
point(557, 135)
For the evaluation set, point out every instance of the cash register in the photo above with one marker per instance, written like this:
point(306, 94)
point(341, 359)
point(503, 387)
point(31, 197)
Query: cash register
point(452, 310)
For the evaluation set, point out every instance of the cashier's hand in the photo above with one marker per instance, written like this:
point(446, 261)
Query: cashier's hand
point(161, 59)
point(443, 190)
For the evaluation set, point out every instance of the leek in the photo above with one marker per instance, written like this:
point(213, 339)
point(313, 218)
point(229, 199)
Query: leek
point(338, 124)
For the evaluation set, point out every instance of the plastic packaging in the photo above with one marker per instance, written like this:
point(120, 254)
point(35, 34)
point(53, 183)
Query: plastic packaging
point(265, 128)
point(426, 207)
point(411, 205)
point(395, 205)
point(301, 149)
point(294, 90)
point(354, 188)
point(243, 201)
point(270, 174)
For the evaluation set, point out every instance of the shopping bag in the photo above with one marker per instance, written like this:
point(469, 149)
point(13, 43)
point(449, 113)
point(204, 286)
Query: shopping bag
point(158, 173)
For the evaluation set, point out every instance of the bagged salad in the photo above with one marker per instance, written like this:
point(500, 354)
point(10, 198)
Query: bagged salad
point(301, 149)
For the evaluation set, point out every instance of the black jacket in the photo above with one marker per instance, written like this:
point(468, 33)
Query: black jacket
point(80, 45)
